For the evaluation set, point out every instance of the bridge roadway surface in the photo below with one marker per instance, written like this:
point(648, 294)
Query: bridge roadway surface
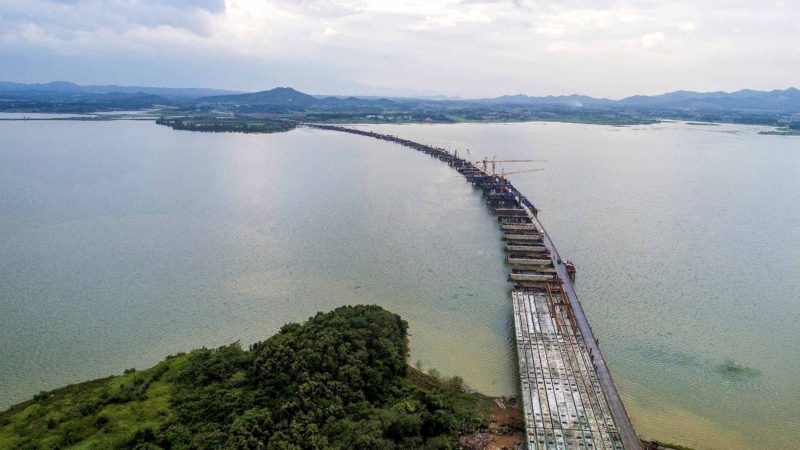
point(563, 372)
point(627, 433)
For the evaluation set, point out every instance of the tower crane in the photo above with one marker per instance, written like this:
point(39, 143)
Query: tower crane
point(503, 175)
point(494, 162)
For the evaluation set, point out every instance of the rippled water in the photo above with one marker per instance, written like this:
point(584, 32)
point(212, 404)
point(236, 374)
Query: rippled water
point(687, 245)
point(125, 241)
point(122, 242)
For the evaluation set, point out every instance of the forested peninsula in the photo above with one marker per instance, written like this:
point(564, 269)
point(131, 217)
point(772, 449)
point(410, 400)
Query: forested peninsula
point(340, 380)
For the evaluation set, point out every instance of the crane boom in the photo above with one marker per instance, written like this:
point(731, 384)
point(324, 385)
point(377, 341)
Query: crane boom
point(485, 162)
point(510, 160)
point(504, 173)
point(521, 171)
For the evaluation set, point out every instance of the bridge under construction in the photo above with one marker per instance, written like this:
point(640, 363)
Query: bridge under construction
point(569, 398)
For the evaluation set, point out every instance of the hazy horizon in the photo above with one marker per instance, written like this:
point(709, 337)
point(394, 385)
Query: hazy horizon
point(457, 48)
point(429, 95)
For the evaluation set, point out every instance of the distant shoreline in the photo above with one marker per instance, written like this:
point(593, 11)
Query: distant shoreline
point(781, 131)
point(152, 116)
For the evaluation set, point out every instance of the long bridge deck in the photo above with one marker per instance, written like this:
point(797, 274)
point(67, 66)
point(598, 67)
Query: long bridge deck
point(570, 400)
point(563, 400)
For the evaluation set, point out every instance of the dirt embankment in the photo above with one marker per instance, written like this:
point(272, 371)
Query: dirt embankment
point(506, 430)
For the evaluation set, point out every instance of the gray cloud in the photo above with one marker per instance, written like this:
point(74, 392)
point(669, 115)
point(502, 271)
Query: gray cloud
point(65, 19)
point(457, 47)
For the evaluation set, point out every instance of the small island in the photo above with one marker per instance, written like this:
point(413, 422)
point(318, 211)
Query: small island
point(217, 124)
point(783, 131)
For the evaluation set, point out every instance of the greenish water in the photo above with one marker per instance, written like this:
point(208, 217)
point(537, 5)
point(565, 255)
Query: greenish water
point(687, 246)
point(122, 242)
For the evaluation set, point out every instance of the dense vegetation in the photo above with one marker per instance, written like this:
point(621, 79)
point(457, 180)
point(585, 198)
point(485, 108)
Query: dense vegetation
point(793, 129)
point(340, 380)
point(226, 124)
point(77, 103)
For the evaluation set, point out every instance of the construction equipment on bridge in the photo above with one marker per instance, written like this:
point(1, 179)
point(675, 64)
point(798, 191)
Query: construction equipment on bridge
point(485, 162)
point(503, 175)
point(570, 270)
point(568, 397)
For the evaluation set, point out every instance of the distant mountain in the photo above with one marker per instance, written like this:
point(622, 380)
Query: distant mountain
point(360, 102)
point(744, 100)
point(563, 100)
point(280, 96)
point(286, 99)
point(66, 87)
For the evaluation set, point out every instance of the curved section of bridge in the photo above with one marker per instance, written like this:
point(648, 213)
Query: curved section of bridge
point(570, 400)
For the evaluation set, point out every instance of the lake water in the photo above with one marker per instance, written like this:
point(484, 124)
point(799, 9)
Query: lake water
point(122, 242)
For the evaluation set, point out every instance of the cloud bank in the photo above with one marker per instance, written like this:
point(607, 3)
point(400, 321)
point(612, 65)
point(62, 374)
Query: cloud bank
point(468, 48)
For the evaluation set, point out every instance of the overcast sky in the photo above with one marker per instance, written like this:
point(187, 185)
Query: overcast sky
point(467, 48)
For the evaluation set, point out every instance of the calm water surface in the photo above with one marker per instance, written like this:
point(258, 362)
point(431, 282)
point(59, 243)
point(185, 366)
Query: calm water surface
point(122, 242)
point(687, 245)
point(125, 241)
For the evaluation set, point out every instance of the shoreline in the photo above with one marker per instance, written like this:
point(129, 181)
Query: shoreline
point(774, 131)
